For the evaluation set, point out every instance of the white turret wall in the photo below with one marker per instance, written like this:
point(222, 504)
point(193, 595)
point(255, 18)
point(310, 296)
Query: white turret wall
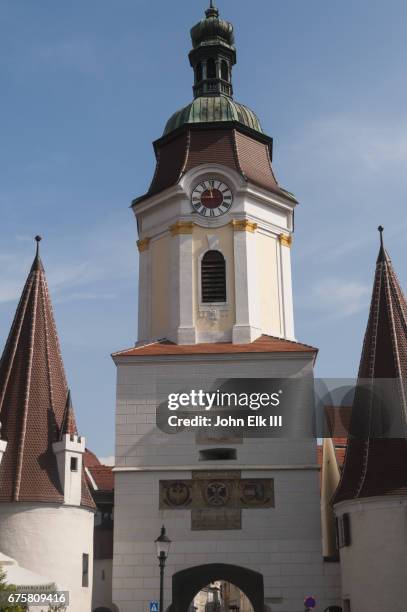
point(51, 540)
point(70, 449)
point(374, 564)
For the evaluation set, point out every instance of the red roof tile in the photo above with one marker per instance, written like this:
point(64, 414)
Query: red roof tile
point(90, 459)
point(33, 399)
point(264, 344)
point(68, 425)
point(103, 477)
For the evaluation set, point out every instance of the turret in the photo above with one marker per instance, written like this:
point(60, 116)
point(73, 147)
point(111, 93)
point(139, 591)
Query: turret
point(213, 55)
point(371, 500)
point(45, 503)
point(69, 453)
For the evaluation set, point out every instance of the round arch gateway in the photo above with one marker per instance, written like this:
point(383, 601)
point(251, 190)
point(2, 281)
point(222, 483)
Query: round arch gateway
point(187, 583)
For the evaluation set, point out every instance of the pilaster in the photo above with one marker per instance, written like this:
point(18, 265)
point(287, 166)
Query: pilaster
point(144, 299)
point(247, 325)
point(286, 289)
point(182, 328)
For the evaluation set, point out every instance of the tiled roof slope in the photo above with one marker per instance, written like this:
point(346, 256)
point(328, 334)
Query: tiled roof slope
point(245, 152)
point(264, 344)
point(102, 475)
point(33, 400)
point(378, 466)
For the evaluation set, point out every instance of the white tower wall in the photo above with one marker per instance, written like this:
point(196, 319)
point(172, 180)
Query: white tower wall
point(282, 543)
point(254, 237)
point(374, 564)
point(50, 540)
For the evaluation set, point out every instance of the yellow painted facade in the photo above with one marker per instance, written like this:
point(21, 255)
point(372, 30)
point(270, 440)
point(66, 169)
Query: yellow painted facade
point(160, 285)
point(226, 316)
point(267, 271)
point(220, 318)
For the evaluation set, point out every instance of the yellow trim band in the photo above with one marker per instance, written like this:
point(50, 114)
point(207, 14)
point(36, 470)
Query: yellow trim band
point(243, 225)
point(143, 245)
point(182, 227)
point(286, 240)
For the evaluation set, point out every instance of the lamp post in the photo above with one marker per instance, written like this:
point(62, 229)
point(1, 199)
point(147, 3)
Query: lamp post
point(163, 544)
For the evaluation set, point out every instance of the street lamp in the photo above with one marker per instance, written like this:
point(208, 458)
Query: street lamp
point(163, 544)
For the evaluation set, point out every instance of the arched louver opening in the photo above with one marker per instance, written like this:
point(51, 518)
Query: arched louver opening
point(211, 69)
point(199, 73)
point(224, 70)
point(213, 277)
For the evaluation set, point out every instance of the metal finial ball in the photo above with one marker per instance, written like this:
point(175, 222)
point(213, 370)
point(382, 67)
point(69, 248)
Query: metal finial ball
point(38, 238)
point(381, 229)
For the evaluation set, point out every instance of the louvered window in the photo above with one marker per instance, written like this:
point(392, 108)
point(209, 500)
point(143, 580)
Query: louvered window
point(213, 278)
point(211, 69)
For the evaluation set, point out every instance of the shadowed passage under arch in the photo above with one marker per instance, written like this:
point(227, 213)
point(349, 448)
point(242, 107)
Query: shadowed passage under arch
point(187, 583)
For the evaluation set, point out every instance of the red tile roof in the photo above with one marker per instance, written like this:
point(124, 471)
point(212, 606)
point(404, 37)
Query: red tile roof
point(377, 466)
point(264, 344)
point(68, 425)
point(33, 400)
point(103, 477)
point(90, 459)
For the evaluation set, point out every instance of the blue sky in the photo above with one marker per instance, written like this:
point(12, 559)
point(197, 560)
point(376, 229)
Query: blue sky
point(86, 86)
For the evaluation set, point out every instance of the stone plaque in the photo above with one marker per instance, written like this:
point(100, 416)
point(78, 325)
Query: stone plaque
point(175, 494)
point(222, 519)
point(215, 490)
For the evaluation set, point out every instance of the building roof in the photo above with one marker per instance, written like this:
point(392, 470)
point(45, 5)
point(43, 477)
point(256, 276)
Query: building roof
point(213, 109)
point(230, 144)
point(68, 426)
point(34, 400)
point(101, 475)
point(377, 466)
point(214, 128)
point(264, 344)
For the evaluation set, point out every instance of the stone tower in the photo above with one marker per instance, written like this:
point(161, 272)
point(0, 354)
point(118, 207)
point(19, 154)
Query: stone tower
point(215, 302)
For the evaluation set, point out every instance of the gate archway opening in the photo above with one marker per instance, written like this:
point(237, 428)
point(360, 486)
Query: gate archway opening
point(221, 596)
point(240, 589)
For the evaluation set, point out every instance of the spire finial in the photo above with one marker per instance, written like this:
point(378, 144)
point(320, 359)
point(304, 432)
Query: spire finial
point(381, 230)
point(38, 240)
point(212, 11)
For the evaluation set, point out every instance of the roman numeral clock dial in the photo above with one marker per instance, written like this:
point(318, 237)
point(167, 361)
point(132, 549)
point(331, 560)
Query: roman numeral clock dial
point(212, 198)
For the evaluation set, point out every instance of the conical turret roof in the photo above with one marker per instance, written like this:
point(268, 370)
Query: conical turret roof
point(33, 398)
point(376, 466)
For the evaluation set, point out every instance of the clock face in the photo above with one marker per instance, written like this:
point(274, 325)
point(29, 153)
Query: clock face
point(212, 198)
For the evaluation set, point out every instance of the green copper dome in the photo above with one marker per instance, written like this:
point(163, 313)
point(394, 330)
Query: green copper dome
point(212, 30)
point(213, 109)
